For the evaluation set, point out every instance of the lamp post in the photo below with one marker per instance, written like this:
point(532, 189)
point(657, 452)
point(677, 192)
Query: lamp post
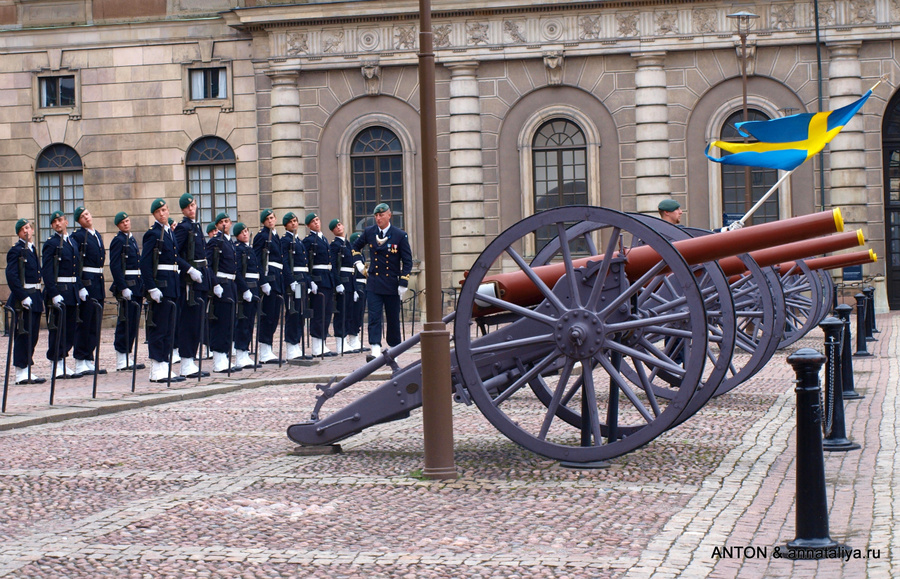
point(743, 19)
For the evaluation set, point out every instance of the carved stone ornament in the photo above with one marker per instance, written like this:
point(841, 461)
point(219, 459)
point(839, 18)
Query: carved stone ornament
point(477, 33)
point(783, 16)
point(862, 12)
point(666, 22)
point(827, 11)
point(590, 27)
point(297, 43)
point(553, 61)
point(405, 37)
point(751, 55)
point(704, 20)
point(442, 35)
point(895, 10)
point(371, 71)
point(552, 29)
point(368, 39)
point(514, 31)
point(333, 41)
point(628, 25)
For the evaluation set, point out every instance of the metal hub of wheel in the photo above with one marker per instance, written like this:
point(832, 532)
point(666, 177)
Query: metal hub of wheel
point(579, 334)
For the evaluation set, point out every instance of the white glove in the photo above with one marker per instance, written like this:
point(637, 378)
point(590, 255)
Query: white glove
point(401, 290)
point(82, 294)
point(313, 288)
point(340, 288)
point(360, 266)
point(195, 275)
point(26, 303)
point(266, 288)
point(218, 291)
point(293, 286)
point(247, 295)
point(298, 290)
point(57, 300)
point(155, 295)
point(355, 296)
point(126, 294)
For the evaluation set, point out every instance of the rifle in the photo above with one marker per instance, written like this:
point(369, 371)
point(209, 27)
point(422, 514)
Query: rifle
point(62, 326)
point(9, 347)
point(49, 300)
point(240, 306)
point(150, 303)
point(79, 275)
point(217, 252)
point(134, 362)
point(292, 307)
point(19, 308)
point(189, 296)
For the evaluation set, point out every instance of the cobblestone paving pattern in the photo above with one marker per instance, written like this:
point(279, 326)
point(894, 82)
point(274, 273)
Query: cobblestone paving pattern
point(209, 487)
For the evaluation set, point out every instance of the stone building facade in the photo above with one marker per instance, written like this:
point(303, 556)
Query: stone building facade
point(313, 106)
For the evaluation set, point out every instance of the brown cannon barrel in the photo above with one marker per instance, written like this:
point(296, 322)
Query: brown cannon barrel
point(517, 288)
point(794, 251)
point(835, 261)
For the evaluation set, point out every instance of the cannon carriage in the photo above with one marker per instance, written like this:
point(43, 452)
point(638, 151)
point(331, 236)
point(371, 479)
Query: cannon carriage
point(616, 331)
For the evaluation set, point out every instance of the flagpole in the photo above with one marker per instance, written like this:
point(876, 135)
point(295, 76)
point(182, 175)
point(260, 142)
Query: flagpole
point(739, 224)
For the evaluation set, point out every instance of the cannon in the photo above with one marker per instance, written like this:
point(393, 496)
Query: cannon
point(600, 342)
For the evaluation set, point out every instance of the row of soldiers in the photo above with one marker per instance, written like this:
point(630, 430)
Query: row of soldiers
point(214, 288)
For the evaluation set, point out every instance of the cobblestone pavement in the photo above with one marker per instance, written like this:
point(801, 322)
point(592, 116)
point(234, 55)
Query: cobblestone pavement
point(207, 485)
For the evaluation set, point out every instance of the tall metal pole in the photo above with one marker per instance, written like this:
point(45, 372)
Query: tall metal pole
point(748, 188)
point(819, 85)
point(437, 415)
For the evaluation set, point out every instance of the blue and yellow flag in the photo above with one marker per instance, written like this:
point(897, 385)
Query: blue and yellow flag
point(785, 143)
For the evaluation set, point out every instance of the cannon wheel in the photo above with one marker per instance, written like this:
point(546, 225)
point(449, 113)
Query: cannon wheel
point(827, 294)
point(594, 317)
point(802, 301)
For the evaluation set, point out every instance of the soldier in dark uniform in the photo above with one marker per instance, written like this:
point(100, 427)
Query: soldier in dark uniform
point(390, 263)
point(92, 253)
point(223, 261)
point(125, 266)
point(358, 307)
point(59, 265)
point(248, 288)
point(321, 299)
point(191, 246)
point(160, 265)
point(294, 255)
point(342, 266)
point(267, 246)
point(23, 275)
point(211, 231)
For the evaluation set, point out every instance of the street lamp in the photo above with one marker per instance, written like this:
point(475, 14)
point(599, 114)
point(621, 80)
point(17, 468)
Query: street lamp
point(743, 28)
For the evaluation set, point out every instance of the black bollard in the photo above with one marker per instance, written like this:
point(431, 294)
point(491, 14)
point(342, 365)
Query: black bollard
point(833, 427)
point(870, 313)
point(849, 393)
point(812, 540)
point(861, 351)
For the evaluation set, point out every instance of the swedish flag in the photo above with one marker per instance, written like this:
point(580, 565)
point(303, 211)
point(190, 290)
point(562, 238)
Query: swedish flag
point(787, 142)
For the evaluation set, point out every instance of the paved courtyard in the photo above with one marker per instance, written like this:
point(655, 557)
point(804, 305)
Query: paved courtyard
point(200, 480)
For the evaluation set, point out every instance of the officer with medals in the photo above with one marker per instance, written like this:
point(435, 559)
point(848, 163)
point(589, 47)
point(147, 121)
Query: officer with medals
point(191, 246)
point(125, 266)
point(294, 255)
point(23, 275)
point(358, 307)
point(248, 288)
point(160, 266)
point(92, 253)
point(267, 246)
point(59, 265)
point(223, 263)
point(342, 266)
point(390, 263)
point(321, 287)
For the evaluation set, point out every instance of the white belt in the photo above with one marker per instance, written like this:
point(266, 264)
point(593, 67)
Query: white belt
point(132, 272)
point(276, 265)
point(92, 270)
point(363, 280)
point(167, 267)
point(31, 285)
point(301, 270)
point(252, 276)
point(328, 267)
point(224, 275)
point(199, 262)
point(65, 280)
point(347, 269)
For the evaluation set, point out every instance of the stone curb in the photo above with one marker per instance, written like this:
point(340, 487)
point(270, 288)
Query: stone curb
point(90, 408)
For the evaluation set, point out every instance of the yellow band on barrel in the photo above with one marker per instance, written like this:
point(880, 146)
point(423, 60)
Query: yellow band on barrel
point(838, 220)
point(862, 238)
point(873, 255)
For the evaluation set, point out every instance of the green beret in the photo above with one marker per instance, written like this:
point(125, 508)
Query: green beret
point(157, 203)
point(381, 208)
point(210, 227)
point(264, 214)
point(287, 217)
point(20, 224)
point(185, 200)
point(78, 211)
point(354, 236)
point(310, 217)
point(55, 215)
point(120, 216)
point(221, 216)
point(334, 223)
point(171, 221)
point(238, 227)
point(668, 205)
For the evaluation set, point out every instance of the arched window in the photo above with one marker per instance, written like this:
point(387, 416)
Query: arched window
point(734, 193)
point(559, 155)
point(60, 186)
point(211, 178)
point(376, 160)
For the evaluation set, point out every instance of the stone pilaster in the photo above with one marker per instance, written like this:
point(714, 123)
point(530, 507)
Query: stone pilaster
point(651, 118)
point(287, 154)
point(466, 169)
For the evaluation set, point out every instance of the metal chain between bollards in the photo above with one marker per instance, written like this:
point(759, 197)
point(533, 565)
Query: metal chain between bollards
point(829, 397)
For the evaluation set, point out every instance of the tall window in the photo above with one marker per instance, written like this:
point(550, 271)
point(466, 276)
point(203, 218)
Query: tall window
point(734, 193)
point(376, 159)
point(209, 83)
point(60, 186)
point(560, 170)
point(211, 178)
